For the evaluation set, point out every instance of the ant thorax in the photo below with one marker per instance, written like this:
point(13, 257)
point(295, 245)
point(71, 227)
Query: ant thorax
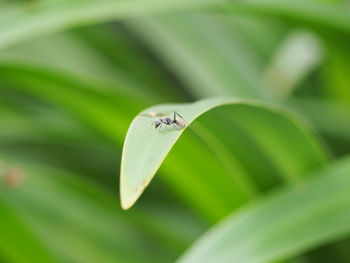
point(167, 120)
point(180, 122)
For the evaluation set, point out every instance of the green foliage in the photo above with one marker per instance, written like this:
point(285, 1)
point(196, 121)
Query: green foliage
point(262, 162)
point(284, 223)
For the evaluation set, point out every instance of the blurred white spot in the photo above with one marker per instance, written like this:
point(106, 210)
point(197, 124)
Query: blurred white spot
point(299, 54)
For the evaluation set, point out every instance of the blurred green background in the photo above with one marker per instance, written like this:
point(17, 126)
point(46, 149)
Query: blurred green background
point(73, 75)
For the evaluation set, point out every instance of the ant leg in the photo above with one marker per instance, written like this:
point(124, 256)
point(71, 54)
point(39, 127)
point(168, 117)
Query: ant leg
point(154, 123)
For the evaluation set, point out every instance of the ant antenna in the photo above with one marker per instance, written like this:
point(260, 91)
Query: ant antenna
point(175, 113)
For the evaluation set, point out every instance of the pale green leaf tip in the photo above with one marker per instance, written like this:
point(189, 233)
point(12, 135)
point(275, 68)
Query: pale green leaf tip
point(128, 195)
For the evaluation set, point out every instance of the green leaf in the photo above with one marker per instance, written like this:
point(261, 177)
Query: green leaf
point(64, 51)
point(53, 202)
point(245, 165)
point(327, 116)
point(322, 13)
point(287, 68)
point(16, 236)
point(97, 54)
point(284, 224)
point(110, 113)
point(142, 71)
point(145, 148)
point(22, 21)
point(335, 71)
point(225, 63)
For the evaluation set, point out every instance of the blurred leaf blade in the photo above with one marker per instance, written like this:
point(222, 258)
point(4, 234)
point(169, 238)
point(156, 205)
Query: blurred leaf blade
point(329, 14)
point(77, 97)
point(326, 115)
point(223, 65)
point(41, 17)
point(26, 22)
point(284, 224)
point(15, 235)
point(75, 205)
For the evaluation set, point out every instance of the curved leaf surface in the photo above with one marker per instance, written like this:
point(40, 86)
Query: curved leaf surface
point(146, 148)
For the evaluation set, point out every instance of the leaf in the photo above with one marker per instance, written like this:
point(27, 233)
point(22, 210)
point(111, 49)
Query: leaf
point(225, 64)
point(288, 68)
point(97, 54)
point(335, 71)
point(244, 166)
point(53, 202)
point(110, 112)
point(145, 148)
point(143, 72)
point(64, 51)
point(16, 236)
point(327, 116)
point(23, 21)
point(284, 224)
point(332, 15)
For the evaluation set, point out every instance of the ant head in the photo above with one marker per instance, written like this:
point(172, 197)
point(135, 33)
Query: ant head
point(157, 123)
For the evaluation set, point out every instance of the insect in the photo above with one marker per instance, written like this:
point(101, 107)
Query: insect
point(168, 121)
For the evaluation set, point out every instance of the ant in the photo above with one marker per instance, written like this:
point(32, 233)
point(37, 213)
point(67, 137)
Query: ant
point(168, 121)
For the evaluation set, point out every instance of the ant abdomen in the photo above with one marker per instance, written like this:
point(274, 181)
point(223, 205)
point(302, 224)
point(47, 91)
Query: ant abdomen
point(180, 122)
